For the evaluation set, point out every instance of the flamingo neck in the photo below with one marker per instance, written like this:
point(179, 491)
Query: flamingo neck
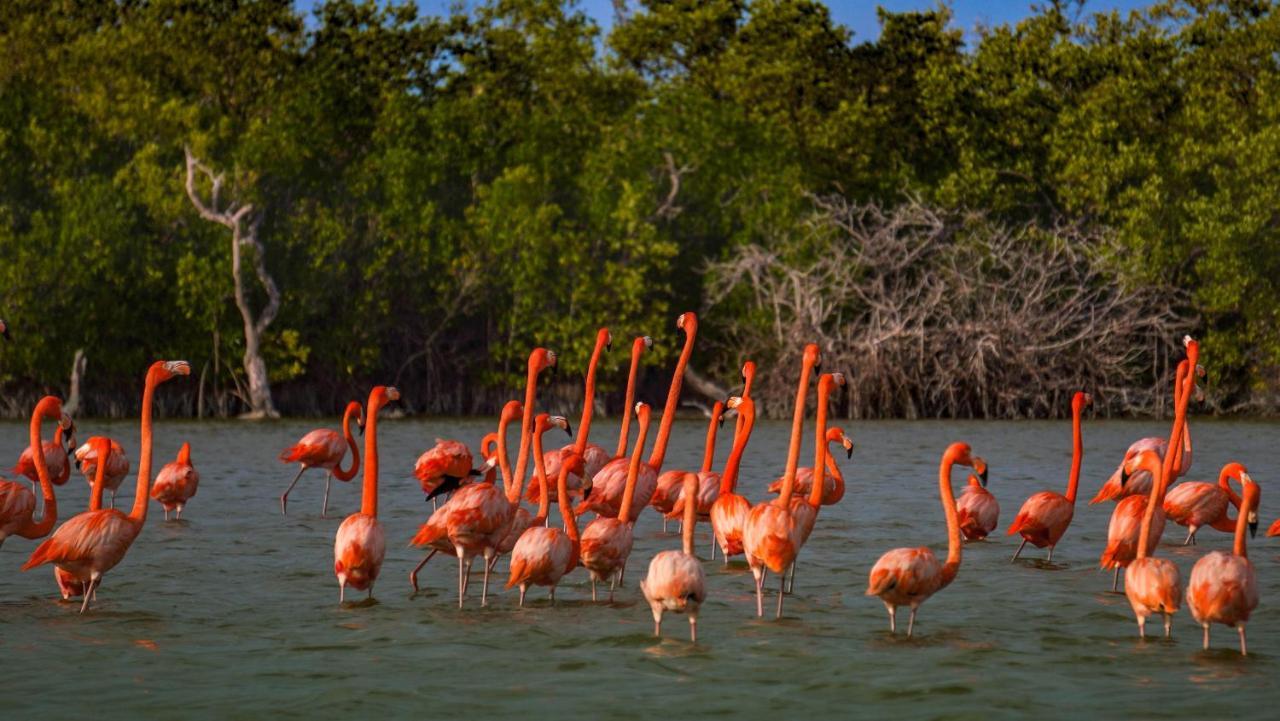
point(690, 512)
point(102, 447)
point(1224, 482)
point(589, 395)
point(509, 484)
point(140, 500)
point(566, 508)
point(709, 453)
point(797, 426)
point(673, 397)
point(633, 471)
point(1173, 448)
point(530, 399)
point(540, 471)
point(637, 348)
point(834, 470)
point(1248, 505)
point(1077, 453)
point(820, 442)
point(748, 377)
point(948, 496)
point(46, 407)
point(369, 494)
point(353, 409)
point(747, 416)
point(1163, 470)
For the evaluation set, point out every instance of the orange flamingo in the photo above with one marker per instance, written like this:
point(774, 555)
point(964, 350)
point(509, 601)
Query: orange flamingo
point(17, 502)
point(1045, 516)
point(676, 581)
point(833, 480)
point(444, 468)
point(729, 512)
point(68, 585)
point(1196, 504)
point(708, 480)
point(1274, 530)
point(594, 457)
point(769, 535)
point(176, 483)
point(324, 448)
point(610, 483)
point(86, 459)
point(1154, 585)
point(909, 576)
point(805, 510)
point(606, 542)
point(360, 544)
point(55, 457)
point(543, 555)
point(91, 543)
point(1223, 587)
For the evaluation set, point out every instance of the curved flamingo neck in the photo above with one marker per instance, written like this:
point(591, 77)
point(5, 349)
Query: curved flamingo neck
point(1248, 505)
point(589, 392)
point(504, 460)
point(102, 447)
point(748, 378)
point(820, 450)
point(140, 500)
point(747, 414)
point(369, 493)
point(948, 496)
point(834, 470)
point(540, 471)
point(1174, 448)
point(673, 393)
point(530, 400)
point(690, 512)
point(637, 349)
point(353, 409)
point(48, 407)
point(633, 468)
point(709, 453)
point(1229, 471)
point(566, 508)
point(1149, 462)
point(797, 426)
point(1077, 452)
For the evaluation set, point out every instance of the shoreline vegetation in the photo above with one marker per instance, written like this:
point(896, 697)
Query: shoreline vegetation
point(971, 226)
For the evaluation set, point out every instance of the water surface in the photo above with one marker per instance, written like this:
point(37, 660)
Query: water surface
point(234, 611)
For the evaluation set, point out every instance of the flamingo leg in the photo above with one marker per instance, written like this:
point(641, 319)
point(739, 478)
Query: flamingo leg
point(664, 518)
point(553, 595)
point(1191, 536)
point(1142, 626)
point(1244, 651)
point(1168, 625)
point(759, 574)
point(693, 628)
point(1019, 551)
point(713, 546)
point(88, 592)
point(113, 499)
point(166, 514)
point(1050, 554)
point(893, 616)
point(461, 588)
point(466, 577)
point(911, 622)
point(593, 588)
point(413, 575)
point(782, 586)
point(612, 584)
point(324, 508)
point(791, 583)
point(1115, 580)
point(179, 511)
point(1206, 637)
point(284, 498)
point(523, 588)
point(484, 589)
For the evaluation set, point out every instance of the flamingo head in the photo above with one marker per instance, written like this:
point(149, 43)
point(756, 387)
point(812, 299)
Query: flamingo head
point(1080, 400)
point(748, 371)
point(980, 467)
point(1148, 460)
point(688, 322)
point(837, 435)
point(511, 412)
point(717, 414)
point(642, 412)
point(165, 370)
point(812, 356)
point(604, 338)
point(489, 446)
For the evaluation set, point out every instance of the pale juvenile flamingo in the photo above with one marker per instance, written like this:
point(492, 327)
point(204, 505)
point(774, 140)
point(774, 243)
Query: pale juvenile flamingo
point(176, 483)
point(1045, 516)
point(978, 510)
point(1154, 585)
point(1223, 587)
point(324, 448)
point(91, 543)
point(833, 480)
point(544, 555)
point(606, 542)
point(610, 483)
point(117, 466)
point(68, 585)
point(17, 502)
point(1196, 504)
point(805, 510)
point(676, 581)
point(729, 512)
point(909, 576)
point(671, 483)
point(594, 457)
point(55, 457)
point(360, 543)
point(769, 535)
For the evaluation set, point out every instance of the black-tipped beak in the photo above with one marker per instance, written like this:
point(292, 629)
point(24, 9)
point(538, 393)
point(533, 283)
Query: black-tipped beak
point(982, 475)
point(568, 429)
point(720, 421)
point(848, 452)
point(608, 346)
point(1124, 475)
point(1253, 529)
point(475, 472)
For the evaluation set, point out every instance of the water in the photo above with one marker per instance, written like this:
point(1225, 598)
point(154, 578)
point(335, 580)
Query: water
point(235, 610)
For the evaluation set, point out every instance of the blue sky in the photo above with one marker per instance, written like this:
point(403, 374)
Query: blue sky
point(859, 15)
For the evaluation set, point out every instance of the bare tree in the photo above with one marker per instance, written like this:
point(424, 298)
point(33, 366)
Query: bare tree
point(244, 224)
point(937, 313)
point(78, 365)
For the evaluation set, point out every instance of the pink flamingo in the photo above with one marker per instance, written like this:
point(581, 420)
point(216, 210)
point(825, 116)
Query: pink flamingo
point(978, 510)
point(176, 483)
point(1045, 516)
point(610, 483)
point(360, 543)
point(1223, 587)
point(708, 480)
point(910, 576)
point(769, 536)
point(833, 480)
point(805, 510)
point(594, 456)
point(542, 555)
point(1196, 504)
point(91, 543)
point(729, 512)
point(55, 457)
point(68, 585)
point(444, 468)
point(86, 459)
point(324, 448)
point(606, 542)
point(676, 581)
point(17, 502)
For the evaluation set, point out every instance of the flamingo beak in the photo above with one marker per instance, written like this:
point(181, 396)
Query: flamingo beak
point(568, 429)
point(1124, 474)
point(980, 466)
point(848, 447)
point(1253, 524)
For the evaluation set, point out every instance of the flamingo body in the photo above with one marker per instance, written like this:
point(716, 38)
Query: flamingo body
point(88, 545)
point(541, 557)
point(708, 492)
point(676, 583)
point(117, 465)
point(1223, 589)
point(609, 484)
point(1153, 585)
point(770, 537)
point(728, 519)
point(1196, 504)
point(666, 490)
point(358, 550)
point(979, 512)
point(1045, 516)
point(906, 577)
point(55, 457)
point(17, 505)
point(1122, 532)
point(176, 483)
point(446, 458)
point(1139, 483)
point(606, 545)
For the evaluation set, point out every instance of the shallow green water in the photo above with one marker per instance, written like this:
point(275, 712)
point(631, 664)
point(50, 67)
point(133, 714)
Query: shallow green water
point(234, 610)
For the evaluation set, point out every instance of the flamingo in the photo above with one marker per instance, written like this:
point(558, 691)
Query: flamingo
point(729, 512)
point(1115, 488)
point(92, 543)
point(594, 457)
point(676, 581)
point(1154, 585)
point(909, 576)
point(68, 585)
point(324, 448)
point(978, 510)
point(86, 459)
point(17, 502)
point(805, 510)
point(444, 468)
point(833, 479)
point(1045, 516)
point(769, 535)
point(1274, 529)
point(542, 555)
point(360, 543)
point(638, 347)
point(1223, 587)
point(55, 457)
point(176, 483)
point(610, 483)
point(670, 483)
point(606, 542)
point(1196, 504)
